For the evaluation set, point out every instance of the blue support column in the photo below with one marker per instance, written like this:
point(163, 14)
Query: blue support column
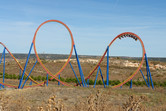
point(88, 82)
point(2, 56)
point(99, 69)
point(80, 69)
point(47, 80)
point(149, 73)
point(96, 77)
point(20, 74)
point(107, 66)
point(143, 77)
point(0, 63)
point(102, 77)
point(74, 73)
point(4, 65)
point(25, 66)
point(30, 83)
point(2, 86)
point(131, 83)
point(120, 86)
point(29, 74)
point(59, 79)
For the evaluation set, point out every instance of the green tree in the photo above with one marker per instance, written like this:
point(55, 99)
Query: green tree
point(43, 78)
point(53, 79)
point(91, 82)
point(6, 76)
point(10, 76)
point(62, 79)
point(39, 78)
point(14, 76)
point(100, 82)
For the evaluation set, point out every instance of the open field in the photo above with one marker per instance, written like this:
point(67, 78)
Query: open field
point(54, 98)
point(61, 98)
point(119, 69)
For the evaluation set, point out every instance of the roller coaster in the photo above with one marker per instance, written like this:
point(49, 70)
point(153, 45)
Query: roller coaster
point(84, 80)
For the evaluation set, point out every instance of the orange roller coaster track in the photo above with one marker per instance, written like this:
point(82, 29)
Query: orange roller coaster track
point(122, 35)
point(83, 80)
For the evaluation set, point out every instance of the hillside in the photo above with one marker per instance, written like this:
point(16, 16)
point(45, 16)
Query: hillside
point(64, 56)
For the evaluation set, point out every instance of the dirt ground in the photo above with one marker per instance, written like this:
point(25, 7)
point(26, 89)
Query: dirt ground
point(54, 98)
point(61, 98)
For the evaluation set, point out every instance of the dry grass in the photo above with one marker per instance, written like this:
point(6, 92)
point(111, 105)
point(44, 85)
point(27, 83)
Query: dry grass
point(82, 99)
point(117, 70)
point(55, 98)
point(134, 104)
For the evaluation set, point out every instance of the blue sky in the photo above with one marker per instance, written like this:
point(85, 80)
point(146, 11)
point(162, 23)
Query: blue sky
point(94, 23)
